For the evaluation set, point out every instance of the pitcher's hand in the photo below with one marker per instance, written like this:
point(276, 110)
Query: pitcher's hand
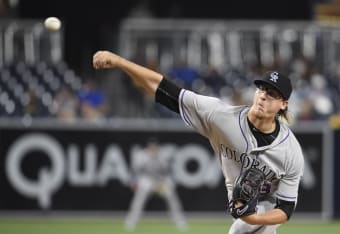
point(105, 59)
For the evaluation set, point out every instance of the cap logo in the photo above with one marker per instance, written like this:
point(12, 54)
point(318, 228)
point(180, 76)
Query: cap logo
point(274, 76)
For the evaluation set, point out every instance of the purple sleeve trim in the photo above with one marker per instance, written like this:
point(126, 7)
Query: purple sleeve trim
point(183, 114)
point(288, 197)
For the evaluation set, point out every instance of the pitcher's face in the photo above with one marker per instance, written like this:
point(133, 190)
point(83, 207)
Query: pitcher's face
point(267, 102)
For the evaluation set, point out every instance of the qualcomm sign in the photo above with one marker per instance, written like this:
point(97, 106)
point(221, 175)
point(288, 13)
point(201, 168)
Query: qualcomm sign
point(65, 166)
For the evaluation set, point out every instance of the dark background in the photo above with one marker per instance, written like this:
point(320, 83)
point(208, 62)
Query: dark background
point(115, 196)
point(336, 174)
point(93, 25)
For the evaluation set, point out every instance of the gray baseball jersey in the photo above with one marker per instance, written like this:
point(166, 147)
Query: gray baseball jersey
point(229, 134)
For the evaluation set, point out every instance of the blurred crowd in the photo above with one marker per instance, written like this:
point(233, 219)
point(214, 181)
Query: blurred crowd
point(55, 91)
point(36, 82)
point(49, 91)
point(316, 95)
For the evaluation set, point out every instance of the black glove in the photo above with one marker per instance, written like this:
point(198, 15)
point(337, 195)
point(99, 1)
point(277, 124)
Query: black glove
point(246, 193)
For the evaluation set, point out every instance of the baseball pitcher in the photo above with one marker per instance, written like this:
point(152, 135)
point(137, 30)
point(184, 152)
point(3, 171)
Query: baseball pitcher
point(260, 157)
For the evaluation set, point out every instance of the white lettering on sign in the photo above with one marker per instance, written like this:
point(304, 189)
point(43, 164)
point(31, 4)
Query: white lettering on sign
point(48, 180)
point(68, 165)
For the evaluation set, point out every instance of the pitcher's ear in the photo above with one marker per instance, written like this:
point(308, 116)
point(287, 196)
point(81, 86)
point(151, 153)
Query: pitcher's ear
point(284, 105)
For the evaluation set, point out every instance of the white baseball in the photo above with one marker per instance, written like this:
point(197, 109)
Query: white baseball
point(52, 24)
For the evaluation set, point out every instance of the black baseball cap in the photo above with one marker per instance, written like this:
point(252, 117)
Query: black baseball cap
point(277, 80)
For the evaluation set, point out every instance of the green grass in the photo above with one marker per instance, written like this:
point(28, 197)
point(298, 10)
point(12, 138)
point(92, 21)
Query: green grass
point(105, 226)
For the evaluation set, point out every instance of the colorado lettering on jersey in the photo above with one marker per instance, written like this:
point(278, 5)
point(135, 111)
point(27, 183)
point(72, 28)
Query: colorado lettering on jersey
point(247, 161)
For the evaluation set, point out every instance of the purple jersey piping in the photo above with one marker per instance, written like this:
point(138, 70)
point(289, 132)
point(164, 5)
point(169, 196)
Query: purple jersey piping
point(244, 136)
point(285, 138)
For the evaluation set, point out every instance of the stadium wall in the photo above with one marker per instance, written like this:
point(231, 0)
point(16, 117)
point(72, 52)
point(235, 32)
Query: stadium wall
point(86, 167)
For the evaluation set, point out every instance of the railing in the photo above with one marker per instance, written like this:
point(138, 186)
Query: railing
point(229, 43)
point(28, 41)
point(241, 50)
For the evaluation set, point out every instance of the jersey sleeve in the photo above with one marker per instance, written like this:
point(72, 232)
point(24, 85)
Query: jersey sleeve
point(196, 110)
point(289, 184)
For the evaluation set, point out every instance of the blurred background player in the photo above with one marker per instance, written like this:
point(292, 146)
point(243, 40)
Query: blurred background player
point(152, 176)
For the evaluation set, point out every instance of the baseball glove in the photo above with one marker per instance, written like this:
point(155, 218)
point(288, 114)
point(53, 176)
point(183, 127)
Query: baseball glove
point(246, 193)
